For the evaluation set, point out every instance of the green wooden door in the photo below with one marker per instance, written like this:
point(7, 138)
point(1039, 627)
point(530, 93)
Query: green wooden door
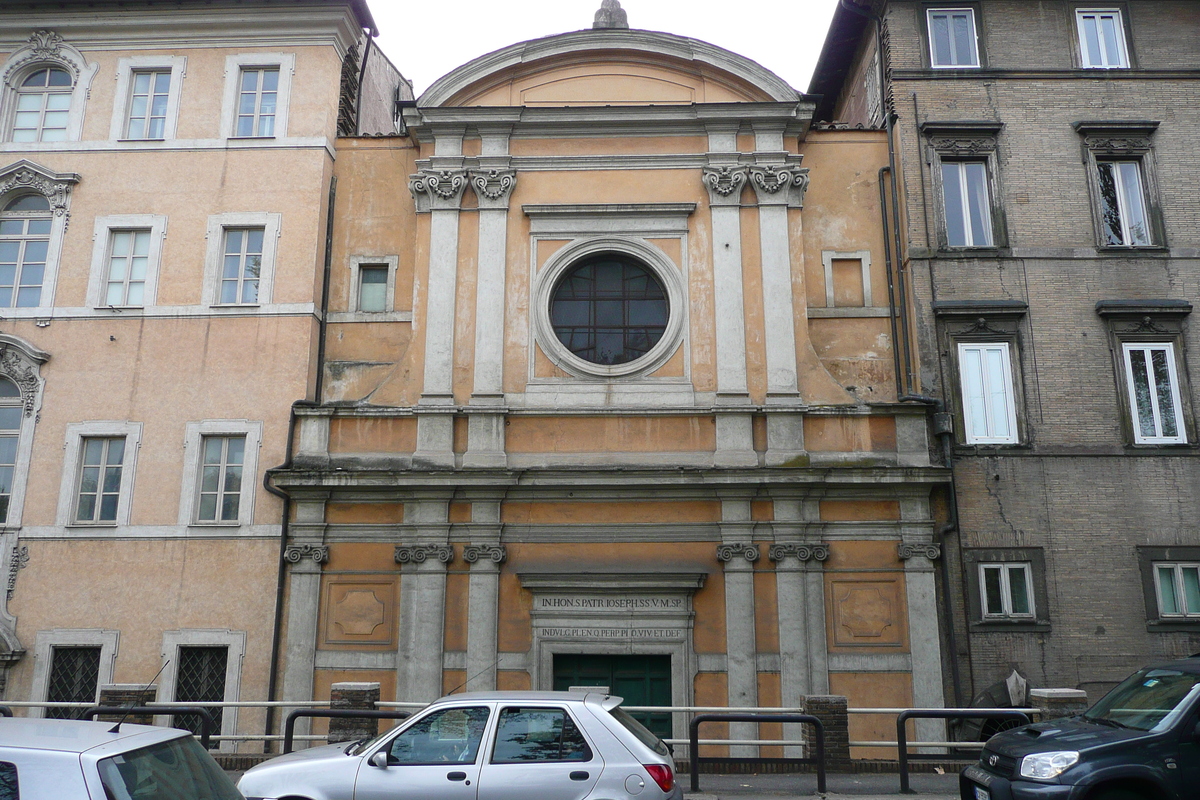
point(641, 680)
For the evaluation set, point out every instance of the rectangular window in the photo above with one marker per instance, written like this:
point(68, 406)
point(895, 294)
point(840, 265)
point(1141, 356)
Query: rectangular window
point(100, 473)
point(242, 268)
point(989, 408)
point(200, 678)
point(1101, 38)
point(221, 478)
point(372, 288)
point(1007, 591)
point(128, 258)
point(258, 90)
point(24, 243)
point(1123, 204)
point(1153, 386)
point(74, 678)
point(148, 97)
point(967, 202)
point(1178, 587)
point(952, 39)
point(10, 431)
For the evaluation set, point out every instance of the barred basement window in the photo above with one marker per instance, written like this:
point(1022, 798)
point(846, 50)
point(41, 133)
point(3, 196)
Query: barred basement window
point(200, 679)
point(74, 678)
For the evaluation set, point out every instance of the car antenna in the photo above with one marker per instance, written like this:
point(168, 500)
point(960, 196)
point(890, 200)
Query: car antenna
point(476, 675)
point(117, 728)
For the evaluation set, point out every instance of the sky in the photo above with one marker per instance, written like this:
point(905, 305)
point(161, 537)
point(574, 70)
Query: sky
point(783, 36)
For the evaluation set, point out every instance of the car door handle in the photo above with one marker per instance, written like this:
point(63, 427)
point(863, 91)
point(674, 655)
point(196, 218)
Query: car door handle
point(457, 776)
point(579, 775)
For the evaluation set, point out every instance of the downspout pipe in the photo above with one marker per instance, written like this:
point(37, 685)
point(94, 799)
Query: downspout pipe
point(884, 172)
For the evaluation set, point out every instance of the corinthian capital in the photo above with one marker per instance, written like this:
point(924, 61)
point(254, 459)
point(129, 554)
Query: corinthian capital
point(724, 183)
point(438, 188)
point(493, 186)
point(780, 185)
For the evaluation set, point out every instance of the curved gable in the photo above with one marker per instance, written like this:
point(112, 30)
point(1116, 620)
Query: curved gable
point(608, 67)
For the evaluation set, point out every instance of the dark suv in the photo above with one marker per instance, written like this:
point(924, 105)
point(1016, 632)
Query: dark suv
point(1140, 742)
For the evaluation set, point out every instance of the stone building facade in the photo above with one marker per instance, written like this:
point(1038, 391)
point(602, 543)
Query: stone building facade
point(609, 398)
point(163, 182)
point(1046, 153)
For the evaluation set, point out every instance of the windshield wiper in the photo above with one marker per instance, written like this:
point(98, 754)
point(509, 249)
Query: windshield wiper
point(1112, 723)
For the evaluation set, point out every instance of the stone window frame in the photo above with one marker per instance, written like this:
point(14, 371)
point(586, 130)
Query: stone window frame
point(235, 642)
point(976, 9)
point(983, 322)
point(214, 252)
point(20, 362)
point(43, 651)
point(1148, 322)
point(102, 234)
point(26, 177)
point(357, 262)
point(965, 141)
point(1130, 140)
point(1009, 393)
point(189, 494)
point(68, 494)
point(234, 65)
point(1126, 29)
point(1148, 556)
point(126, 69)
point(44, 49)
point(1035, 557)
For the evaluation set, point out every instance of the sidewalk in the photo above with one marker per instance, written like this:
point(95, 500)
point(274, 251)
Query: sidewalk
point(847, 786)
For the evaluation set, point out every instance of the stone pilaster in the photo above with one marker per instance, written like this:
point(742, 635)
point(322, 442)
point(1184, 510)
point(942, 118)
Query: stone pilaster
point(423, 600)
point(918, 553)
point(739, 554)
point(305, 554)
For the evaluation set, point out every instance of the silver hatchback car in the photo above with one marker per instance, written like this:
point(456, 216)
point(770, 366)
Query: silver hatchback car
point(485, 746)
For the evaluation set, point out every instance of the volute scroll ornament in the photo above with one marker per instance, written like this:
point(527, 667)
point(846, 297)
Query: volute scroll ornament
point(801, 552)
point(729, 552)
point(420, 553)
point(496, 553)
point(23, 374)
point(930, 551)
point(725, 181)
point(493, 184)
point(295, 553)
point(438, 188)
point(25, 175)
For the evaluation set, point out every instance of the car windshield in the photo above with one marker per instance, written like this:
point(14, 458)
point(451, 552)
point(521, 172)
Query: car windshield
point(174, 770)
point(1149, 700)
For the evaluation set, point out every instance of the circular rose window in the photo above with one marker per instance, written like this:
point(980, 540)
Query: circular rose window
point(609, 309)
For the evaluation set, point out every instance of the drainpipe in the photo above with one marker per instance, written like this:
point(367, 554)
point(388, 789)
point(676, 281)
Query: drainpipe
point(887, 262)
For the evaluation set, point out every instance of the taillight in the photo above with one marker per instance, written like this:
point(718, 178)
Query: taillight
point(662, 775)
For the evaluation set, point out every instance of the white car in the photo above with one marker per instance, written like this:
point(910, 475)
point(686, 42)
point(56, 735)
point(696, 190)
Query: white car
point(485, 746)
point(44, 759)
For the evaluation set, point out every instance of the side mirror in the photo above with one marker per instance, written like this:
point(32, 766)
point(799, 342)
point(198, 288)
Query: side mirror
point(380, 759)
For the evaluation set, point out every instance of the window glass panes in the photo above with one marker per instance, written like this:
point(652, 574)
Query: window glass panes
point(609, 310)
point(128, 259)
point(24, 244)
point(221, 478)
point(100, 479)
point(43, 106)
point(1007, 590)
point(1018, 590)
point(11, 415)
point(9, 786)
point(449, 736)
point(1178, 587)
point(74, 678)
point(372, 288)
point(538, 734)
point(257, 96)
point(967, 203)
point(148, 105)
point(1123, 204)
point(952, 41)
point(1153, 387)
point(993, 594)
point(989, 407)
point(1101, 38)
point(242, 266)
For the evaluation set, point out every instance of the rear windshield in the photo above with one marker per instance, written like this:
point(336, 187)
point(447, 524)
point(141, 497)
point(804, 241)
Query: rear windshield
point(171, 770)
point(639, 730)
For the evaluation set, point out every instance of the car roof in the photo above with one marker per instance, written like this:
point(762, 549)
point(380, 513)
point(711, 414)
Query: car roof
point(510, 697)
point(77, 736)
point(1189, 664)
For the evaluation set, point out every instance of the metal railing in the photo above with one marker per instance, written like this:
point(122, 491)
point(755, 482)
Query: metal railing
point(206, 728)
point(289, 727)
point(694, 758)
point(943, 713)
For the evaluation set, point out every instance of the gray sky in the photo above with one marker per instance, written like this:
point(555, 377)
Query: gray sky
point(784, 36)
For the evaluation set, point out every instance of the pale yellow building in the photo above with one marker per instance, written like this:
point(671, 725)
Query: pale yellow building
point(165, 173)
point(609, 398)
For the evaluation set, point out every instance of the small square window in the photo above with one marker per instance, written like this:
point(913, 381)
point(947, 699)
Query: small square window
point(1178, 590)
point(952, 39)
point(100, 475)
point(258, 93)
point(967, 203)
point(989, 406)
point(372, 287)
point(220, 495)
point(1123, 204)
point(1153, 385)
point(149, 92)
point(1101, 38)
point(242, 266)
point(1006, 591)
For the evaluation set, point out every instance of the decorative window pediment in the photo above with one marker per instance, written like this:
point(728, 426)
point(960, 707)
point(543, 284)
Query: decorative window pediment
point(28, 176)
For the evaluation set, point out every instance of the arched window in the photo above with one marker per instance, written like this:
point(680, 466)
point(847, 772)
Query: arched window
point(43, 106)
point(11, 409)
point(25, 224)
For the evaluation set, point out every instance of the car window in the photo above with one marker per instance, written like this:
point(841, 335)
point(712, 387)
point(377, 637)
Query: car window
point(538, 734)
point(166, 771)
point(8, 782)
point(640, 731)
point(448, 736)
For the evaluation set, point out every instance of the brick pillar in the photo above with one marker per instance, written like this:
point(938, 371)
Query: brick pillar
point(353, 695)
point(128, 694)
point(831, 710)
point(1058, 703)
